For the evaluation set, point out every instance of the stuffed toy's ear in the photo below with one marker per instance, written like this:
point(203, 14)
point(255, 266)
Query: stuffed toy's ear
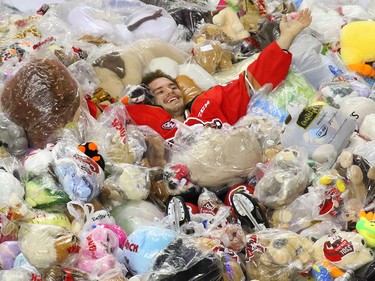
point(165, 64)
point(188, 87)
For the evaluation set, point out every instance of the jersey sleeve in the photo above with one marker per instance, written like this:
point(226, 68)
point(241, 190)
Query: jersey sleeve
point(271, 66)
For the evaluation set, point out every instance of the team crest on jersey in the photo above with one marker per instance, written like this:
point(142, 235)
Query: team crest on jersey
point(215, 123)
point(169, 125)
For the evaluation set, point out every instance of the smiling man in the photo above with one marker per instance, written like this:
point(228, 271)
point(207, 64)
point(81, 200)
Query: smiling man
point(221, 103)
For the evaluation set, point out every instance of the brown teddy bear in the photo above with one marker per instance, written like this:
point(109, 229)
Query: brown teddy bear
point(42, 97)
point(210, 55)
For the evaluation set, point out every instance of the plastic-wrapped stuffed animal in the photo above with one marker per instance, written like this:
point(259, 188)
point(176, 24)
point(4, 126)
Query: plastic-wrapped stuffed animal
point(357, 39)
point(366, 227)
point(347, 250)
point(47, 245)
point(97, 253)
point(211, 56)
point(228, 20)
point(118, 69)
point(41, 97)
point(277, 255)
point(285, 179)
point(217, 157)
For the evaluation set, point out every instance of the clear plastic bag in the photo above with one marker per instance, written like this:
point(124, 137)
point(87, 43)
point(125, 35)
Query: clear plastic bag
point(47, 245)
point(321, 129)
point(216, 157)
point(80, 176)
point(41, 97)
point(278, 255)
point(285, 178)
point(128, 182)
point(295, 89)
point(183, 260)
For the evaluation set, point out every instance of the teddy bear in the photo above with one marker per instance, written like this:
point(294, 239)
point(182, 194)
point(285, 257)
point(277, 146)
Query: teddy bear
point(182, 260)
point(230, 236)
point(177, 180)
point(277, 255)
point(45, 245)
point(117, 69)
point(286, 177)
point(250, 15)
point(295, 216)
point(19, 27)
point(360, 176)
point(210, 31)
point(211, 55)
point(355, 41)
point(191, 17)
point(133, 214)
point(79, 175)
point(53, 103)
point(12, 203)
point(346, 250)
point(127, 182)
point(42, 190)
point(227, 19)
point(216, 158)
point(97, 252)
point(143, 246)
point(58, 272)
point(12, 137)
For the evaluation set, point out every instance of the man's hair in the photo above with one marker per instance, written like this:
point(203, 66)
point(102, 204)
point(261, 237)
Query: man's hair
point(151, 76)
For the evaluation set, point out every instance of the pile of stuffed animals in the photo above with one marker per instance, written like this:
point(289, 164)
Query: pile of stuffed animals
point(287, 193)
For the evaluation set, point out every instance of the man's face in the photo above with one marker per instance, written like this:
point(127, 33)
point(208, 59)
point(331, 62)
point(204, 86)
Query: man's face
point(168, 95)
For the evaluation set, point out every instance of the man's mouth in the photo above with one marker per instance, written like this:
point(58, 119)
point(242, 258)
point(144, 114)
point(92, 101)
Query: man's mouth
point(172, 100)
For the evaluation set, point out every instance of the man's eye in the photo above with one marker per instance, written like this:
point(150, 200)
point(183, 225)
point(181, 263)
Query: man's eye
point(158, 93)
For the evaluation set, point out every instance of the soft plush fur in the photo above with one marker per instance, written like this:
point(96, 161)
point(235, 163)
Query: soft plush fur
point(116, 70)
point(357, 41)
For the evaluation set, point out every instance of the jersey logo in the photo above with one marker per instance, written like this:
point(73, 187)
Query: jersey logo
point(215, 123)
point(169, 125)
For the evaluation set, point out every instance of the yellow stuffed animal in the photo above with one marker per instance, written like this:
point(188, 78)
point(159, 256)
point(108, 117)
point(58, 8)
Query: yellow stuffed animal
point(357, 46)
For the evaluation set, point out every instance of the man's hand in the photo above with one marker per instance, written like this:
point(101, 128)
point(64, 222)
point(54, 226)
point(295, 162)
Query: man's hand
point(291, 27)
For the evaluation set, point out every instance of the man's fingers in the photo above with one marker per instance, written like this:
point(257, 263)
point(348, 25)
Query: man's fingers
point(305, 16)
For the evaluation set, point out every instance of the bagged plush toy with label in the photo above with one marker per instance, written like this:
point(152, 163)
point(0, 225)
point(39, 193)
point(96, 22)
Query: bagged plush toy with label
point(321, 129)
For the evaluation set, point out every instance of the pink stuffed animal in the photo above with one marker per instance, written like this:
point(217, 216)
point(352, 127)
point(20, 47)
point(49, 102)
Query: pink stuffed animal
point(97, 251)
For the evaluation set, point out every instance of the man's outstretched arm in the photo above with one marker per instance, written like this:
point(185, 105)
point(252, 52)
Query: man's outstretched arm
point(274, 61)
